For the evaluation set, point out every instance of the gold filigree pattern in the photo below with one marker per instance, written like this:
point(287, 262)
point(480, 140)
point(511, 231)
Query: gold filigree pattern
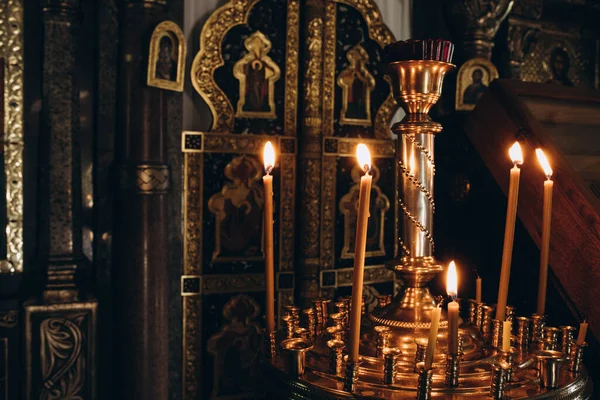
point(287, 212)
point(373, 274)
point(11, 48)
point(291, 67)
point(328, 212)
point(233, 283)
point(209, 58)
point(378, 31)
point(329, 68)
point(192, 313)
point(192, 208)
point(313, 77)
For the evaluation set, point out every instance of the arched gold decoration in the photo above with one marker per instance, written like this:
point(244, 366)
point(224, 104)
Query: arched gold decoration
point(357, 83)
point(171, 77)
point(209, 59)
point(257, 74)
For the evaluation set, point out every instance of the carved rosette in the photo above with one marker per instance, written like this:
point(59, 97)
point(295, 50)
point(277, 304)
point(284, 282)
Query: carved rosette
point(474, 23)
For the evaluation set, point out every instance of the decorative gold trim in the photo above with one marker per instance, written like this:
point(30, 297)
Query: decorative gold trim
point(152, 179)
point(232, 283)
point(192, 352)
point(329, 67)
point(9, 318)
point(172, 31)
point(291, 68)
point(209, 59)
point(258, 47)
point(187, 291)
point(358, 57)
point(11, 49)
point(465, 73)
point(373, 274)
point(379, 148)
point(287, 211)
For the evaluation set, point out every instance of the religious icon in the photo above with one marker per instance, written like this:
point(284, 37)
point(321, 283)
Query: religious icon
point(472, 82)
point(235, 349)
point(166, 60)
point(357, 83)
point(257, 74)
point(379, 205)
point(238, 210)
point(559, 67)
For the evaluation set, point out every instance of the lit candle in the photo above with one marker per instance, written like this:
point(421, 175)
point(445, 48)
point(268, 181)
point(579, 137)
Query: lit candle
point(546, 218)
point(478, 290)
point(582, 331)
point(506, 331)
point(360, 244)
point(509, 232)
point(269, 161)
point(453, 309)
point(433, 332)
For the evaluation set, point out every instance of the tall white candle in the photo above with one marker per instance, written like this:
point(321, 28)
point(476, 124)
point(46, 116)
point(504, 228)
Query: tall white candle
point(582, 332)
point(506, 331)
point(545, 245)
point(478, 290)
point(453, 309)
point(509, 232)
point(433, 332)
point(269, 161)
point(362, 219)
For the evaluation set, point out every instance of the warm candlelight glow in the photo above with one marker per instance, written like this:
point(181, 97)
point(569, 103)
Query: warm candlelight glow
point(516, 155)
point(269, 157)
point(544, 162)
point(364, 157)
point(452, 281)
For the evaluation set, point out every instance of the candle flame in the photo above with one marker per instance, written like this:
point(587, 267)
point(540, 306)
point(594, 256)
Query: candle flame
point(364, 157)
point(452, 281)
point(269, 157)
point(544, 162)
point(515, 153)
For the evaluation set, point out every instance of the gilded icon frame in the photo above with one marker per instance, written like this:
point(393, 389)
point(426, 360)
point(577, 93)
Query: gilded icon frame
point(465, 75)
point(11, 52)
point(171, 30)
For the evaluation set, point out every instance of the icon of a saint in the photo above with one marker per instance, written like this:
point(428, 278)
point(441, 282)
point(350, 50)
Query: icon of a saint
point(476, 89)
point(357, 83)
point(166, 66)
point(559, 66)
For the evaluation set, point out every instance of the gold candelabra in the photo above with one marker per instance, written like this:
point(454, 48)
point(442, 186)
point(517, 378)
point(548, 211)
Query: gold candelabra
point(392, 345)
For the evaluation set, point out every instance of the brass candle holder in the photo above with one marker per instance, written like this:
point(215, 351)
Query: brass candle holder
point(523, 332)
point(567, 337)
point(452, 370)
point(336, 356)
point(271, 344)
point(537, 327)
point(351, 376)
point(548, 364)
point(497, 333)
point(296, 350)
point(499, 380)
point(383, 335)
point(424, 382)
point(420, 353)
point(551, 335)
point(508, 358)
point(473, 306)
point(390, 360)
point(576, 357)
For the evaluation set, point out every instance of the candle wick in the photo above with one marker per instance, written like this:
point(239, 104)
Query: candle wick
point(367, 168)
point(269, 169)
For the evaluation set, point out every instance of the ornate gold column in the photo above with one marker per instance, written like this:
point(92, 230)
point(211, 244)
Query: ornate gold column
point(60, 326)
point(309, 156)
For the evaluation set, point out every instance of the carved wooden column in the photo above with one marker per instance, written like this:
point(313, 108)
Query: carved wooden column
point(309, 157)
point(60, 326)
point(140, 279)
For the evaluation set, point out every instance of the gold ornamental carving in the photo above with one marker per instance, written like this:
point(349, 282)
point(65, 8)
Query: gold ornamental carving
point(313, 84)
point(209, 58)
point(328, 212)
point(291, 67)
point(329, 67)
point(357, 83)
point(192, 347)
point(11, 53)
point(166, 59)
point(152, 179)
point(257, 74)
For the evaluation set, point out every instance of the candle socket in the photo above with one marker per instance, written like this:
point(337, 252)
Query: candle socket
point(296, 350)
point(499, 380)
point(302, 333)
point(452, 370)
point(424, 382)
point(271, 345)
point(318, 307)
point(383, 335)
point(576, 357)
point(548, 366)
point(390, 361)
point(311, 321)
point(486, 322)
point(290, 325)
point(351, 377)
point(473, 306)
point(510, 313)
point(337, 333)
point(479, 316)
point(566, 338)
point(291, 310)
point(537, 327)
point(523, 332)
point(338, 319)
point(551, 335)
point(420, 353)
point(343, 310)
point(545, 344)
point(497, 333)
point(508, 358)
point(336, 356)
